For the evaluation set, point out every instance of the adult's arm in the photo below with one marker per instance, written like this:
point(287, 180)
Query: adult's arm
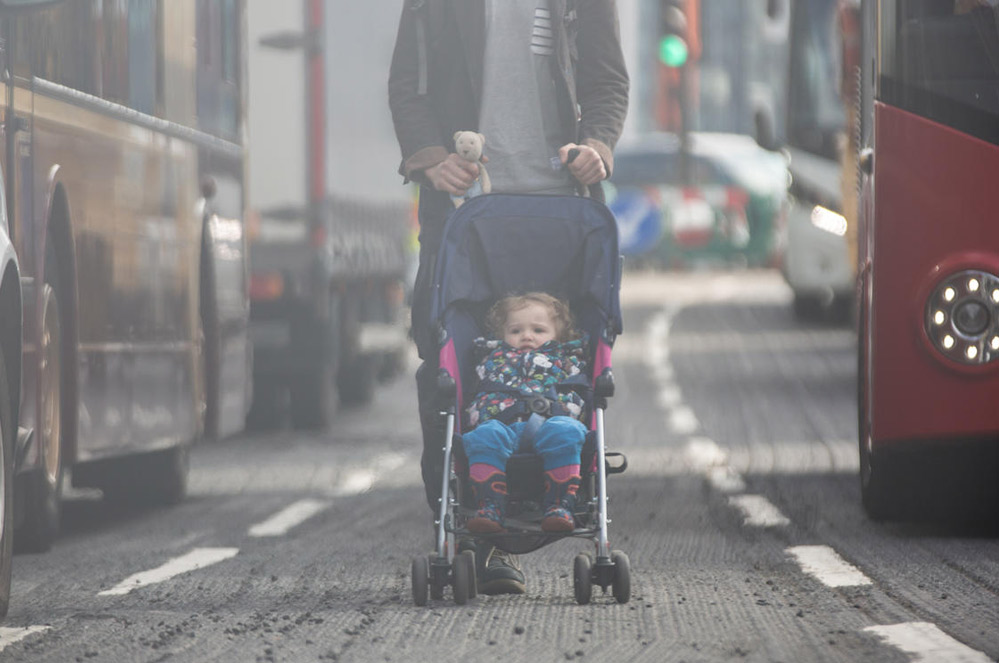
point(601, 78)
point(413, 116)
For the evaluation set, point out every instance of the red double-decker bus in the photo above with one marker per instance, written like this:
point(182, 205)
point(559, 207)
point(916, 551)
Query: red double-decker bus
point(928, 277)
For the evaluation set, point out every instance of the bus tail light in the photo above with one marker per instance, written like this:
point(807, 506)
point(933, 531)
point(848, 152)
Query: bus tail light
point(962, 317)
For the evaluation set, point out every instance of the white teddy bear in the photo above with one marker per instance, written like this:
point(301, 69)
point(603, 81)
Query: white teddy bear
point(468, 145)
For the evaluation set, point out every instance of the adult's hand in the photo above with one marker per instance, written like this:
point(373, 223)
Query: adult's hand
point(454, 175)
point(588, 168)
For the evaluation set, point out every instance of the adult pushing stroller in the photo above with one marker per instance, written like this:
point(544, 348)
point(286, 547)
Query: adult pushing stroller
point(494, 245)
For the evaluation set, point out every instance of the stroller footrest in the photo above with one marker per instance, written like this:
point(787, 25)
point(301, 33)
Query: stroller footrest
point(620, 463)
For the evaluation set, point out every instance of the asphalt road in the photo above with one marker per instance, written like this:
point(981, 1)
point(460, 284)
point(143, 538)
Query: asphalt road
point(740, 513)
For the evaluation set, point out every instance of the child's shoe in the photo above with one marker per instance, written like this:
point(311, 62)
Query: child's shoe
point(561, 486)
point(490, 496)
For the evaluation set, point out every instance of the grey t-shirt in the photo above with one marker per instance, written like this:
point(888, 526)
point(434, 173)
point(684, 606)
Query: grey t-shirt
point(519, 115)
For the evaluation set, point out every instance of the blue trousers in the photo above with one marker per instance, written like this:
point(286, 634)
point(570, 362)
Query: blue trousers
point(559, 442)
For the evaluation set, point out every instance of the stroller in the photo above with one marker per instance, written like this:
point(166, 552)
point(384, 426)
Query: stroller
point(494, 245)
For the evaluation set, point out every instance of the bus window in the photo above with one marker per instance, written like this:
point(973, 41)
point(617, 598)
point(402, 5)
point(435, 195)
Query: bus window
point(142, 59)
point(941, 60)
point(58, 45)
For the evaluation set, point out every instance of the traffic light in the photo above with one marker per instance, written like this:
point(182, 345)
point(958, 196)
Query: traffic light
point(673, 49)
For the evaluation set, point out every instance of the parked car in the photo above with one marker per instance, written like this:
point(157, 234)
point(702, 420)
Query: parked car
point(730, 209)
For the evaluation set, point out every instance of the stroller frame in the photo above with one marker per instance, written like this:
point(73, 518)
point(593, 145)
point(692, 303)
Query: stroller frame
point(481, 216)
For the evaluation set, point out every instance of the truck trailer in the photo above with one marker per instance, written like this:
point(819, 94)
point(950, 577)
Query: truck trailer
point(329, 222)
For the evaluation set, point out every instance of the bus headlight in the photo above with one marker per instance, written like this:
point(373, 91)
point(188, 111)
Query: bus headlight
point(961, 317)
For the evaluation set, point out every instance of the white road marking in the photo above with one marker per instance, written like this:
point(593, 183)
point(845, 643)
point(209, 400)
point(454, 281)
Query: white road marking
point(703, 453)
point(758, 511)
point(196, 559)
point(355, 483)
point(670, 396)
point(825, 564)
point(926, 642)
point(725, 480)
point(9, 635)
point(290, 516)
point(682, 420)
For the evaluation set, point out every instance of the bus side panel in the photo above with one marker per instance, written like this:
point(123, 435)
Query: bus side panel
point(930, 211)
point(137, 240)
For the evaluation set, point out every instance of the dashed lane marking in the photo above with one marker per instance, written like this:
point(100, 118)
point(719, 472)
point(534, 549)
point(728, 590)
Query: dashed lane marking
point(725, 480)
point(683, 421)
point(291, 516)
point(9, 636)
point(196, 559)
point(825, 564)
point(702, 453)
point(926, 642)
point(758, 511)
point(669, 397)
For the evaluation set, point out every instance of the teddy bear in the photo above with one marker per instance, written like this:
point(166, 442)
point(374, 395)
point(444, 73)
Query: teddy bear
point(468, 145)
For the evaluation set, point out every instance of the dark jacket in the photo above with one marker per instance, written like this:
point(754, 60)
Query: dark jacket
point(508, 376)
point(591, 78)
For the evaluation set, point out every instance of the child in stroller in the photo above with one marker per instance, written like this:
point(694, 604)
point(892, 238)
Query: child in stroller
point(494, 245)
point(523, 377)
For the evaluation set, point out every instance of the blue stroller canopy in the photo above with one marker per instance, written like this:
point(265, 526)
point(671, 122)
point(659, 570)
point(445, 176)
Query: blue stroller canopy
point(498, 244)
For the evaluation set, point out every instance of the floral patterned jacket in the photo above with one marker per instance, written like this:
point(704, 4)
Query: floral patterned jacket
point(526, 373)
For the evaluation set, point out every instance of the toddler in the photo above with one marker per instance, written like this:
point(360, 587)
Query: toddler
point(534, 352)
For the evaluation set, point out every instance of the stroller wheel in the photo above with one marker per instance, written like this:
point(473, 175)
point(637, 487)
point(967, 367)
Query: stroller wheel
point(463, 577)
point(622, 577)
point(582, 579)
point(438, 576)
point(468, 556)
point(421, 579)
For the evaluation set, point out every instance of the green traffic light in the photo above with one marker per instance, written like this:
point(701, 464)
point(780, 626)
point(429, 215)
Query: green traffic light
point(673, 51)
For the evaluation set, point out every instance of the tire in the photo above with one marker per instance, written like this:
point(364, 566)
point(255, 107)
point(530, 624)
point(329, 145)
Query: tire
point(267, 410)
point(356, 380)
point(462, 580)
point(8, 437)
point(880, 500)
point(152, 479)
point(312, 398)
point(582, 579)
point(43, 510)
point(468, 556)
point(436, 583)
point(212, 340)
point(807, 308)
point(421, 580)
point(621, 586)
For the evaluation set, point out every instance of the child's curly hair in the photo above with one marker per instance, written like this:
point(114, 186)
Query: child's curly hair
point(559, 310)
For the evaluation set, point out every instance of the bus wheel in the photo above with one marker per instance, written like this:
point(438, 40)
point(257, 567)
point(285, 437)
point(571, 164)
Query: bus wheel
point(8, 434)
point(44, 504)
point(880, 500)
point(43, 511)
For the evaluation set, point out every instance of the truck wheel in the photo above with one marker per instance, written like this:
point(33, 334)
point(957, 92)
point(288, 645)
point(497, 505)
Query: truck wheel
point(267, 409)
point(8, 435)
point(312, 399)
point(356, 380)
point(43, 509)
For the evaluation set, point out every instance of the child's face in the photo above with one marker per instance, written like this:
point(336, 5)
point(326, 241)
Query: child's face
point(530, 327)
